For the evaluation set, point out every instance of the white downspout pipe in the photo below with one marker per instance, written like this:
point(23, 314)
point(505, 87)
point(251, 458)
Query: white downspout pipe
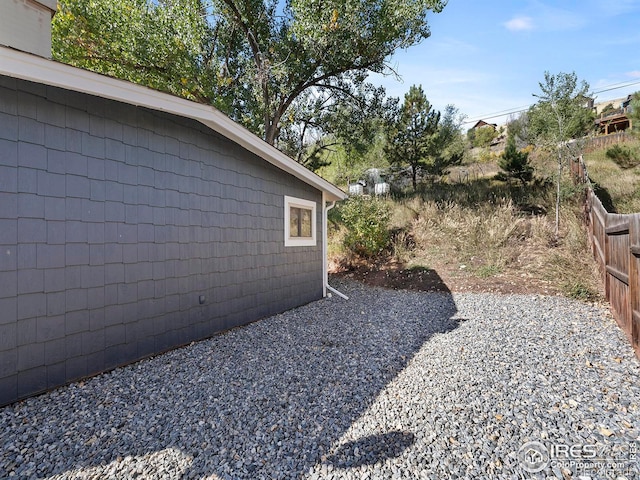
point(325, 240)
point(333, 290)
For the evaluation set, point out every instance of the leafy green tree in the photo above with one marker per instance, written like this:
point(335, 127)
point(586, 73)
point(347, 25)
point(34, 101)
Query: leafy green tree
point(164, 45)
point(560, 116)
point(328, 45)
point(514, 162)
point(519, 128)
point(483, 136)
point(561, 113)
point(327, 124)
point(259, 61)
point(471, 136)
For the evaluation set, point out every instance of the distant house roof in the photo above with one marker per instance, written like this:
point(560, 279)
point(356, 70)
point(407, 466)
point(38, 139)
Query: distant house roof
point(482, 123)
point(36, 69)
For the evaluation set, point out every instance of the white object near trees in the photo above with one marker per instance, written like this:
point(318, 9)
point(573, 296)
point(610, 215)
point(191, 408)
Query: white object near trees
point(381, 188)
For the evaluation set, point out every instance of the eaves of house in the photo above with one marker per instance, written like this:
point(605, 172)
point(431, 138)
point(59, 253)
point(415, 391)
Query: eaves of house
point(26, 66)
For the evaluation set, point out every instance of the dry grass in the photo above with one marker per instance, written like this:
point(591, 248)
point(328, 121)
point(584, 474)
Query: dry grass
point(498, 239)
point(490, 230)
point(619, 189)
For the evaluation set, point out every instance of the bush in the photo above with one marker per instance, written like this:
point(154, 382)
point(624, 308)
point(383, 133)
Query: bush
point(367, 223)
point(624, 156)
point(515, 163)
point(484, 135)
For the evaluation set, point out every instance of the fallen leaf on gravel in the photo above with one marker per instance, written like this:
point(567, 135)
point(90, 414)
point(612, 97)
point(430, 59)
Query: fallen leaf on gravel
point(605, 431)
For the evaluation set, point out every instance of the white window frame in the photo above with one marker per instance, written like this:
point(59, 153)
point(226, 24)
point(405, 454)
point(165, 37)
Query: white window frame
point(294, 202)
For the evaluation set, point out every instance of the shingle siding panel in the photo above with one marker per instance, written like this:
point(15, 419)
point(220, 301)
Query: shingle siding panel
point(50, 184)
point(30, 205)
point(8, 98)
point(8, 179)
point(8, 126)
point(126, 217)
point(30, 155)
point(8, 230)
point(56, 232)
point(54, 137)
point(55, 208)
point(8, 152)
point(8, 259)
point(32, 381)
point(50, 328)
point(9, 389)
point(56, 374)
point(76, 367)
point(27, 103)
point(8, 362)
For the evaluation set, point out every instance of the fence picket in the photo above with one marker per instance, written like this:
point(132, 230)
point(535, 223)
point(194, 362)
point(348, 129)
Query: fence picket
point(634, 280)
point(615, 245)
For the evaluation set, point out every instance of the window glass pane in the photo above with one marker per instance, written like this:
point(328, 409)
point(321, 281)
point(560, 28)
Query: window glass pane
point(294, 222)
point(300, 222)
point(305, 224)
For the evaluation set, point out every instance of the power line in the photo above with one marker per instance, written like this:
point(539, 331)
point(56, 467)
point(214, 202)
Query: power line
point(615, 86)
point(524, 108)
point(504, 113)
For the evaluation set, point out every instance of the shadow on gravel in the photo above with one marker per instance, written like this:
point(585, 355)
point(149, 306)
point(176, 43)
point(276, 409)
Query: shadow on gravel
point(271, 400)
point(371, 450)
point(395, 275)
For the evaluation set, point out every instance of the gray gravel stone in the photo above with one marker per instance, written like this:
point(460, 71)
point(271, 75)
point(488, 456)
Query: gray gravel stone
point(390, 384)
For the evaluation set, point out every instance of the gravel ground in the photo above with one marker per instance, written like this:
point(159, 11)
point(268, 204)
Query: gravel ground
point(390, 384)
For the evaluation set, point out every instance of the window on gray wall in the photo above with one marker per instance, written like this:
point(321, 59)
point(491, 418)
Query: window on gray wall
point(299, 222)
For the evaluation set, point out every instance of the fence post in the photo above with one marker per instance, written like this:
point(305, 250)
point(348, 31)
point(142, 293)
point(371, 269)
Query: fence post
point(591, 226)
point(605, 251)
point(634, 281)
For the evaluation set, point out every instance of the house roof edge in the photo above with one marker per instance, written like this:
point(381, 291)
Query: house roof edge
point(17, 64)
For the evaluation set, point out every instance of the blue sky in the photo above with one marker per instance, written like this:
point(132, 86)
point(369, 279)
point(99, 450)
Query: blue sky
point(486, 57)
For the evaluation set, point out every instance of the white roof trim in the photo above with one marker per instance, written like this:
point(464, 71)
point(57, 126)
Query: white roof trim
point(25, 66)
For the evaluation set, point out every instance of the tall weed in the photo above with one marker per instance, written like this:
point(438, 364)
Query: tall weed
point(367, 225)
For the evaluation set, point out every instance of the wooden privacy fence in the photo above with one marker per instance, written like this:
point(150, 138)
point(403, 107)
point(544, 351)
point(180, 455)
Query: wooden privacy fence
point(615, 244)
point(605, 140)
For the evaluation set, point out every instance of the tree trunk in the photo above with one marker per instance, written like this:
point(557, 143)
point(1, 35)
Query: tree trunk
point(270, 133)
point(414, 175)
point(558, 195)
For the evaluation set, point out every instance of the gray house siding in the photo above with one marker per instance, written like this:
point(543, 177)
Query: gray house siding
point(114, 220)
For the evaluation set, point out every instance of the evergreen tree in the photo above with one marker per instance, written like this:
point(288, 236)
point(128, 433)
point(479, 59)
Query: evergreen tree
point(514, 162)
point(422, 138)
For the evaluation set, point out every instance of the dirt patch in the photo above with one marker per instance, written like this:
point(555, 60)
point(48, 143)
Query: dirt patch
point(441, 278)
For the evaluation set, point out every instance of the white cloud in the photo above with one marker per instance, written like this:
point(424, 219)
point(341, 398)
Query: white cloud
point(541, 16)
point(519, 24)
point(633, 74)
